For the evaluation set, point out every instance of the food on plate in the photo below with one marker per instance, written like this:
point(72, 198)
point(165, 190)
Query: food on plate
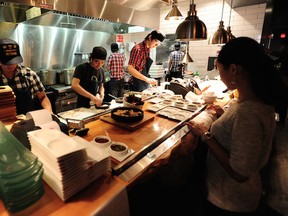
point(134, 99)
point(128, 112)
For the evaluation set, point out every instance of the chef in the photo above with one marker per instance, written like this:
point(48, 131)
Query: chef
point(140, 61)
point(25, 83)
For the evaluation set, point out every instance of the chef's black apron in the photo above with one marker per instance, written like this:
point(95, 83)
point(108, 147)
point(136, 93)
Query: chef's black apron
point(91, 85)
point(140, 85)
point(24, 102)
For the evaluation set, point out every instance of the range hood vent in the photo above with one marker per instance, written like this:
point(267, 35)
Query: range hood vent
point(109, 11)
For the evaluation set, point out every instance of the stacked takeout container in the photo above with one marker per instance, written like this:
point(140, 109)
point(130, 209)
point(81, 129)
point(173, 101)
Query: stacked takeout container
point(68, 165)
point(20, 173)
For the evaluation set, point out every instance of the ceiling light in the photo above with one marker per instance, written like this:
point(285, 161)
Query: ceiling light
point(230, 35)
point(221, 35)
point(192, 28)
point(186, 58)
point(174, 14)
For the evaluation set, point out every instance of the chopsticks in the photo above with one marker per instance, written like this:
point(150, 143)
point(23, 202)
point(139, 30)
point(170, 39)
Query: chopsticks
point(204, 89)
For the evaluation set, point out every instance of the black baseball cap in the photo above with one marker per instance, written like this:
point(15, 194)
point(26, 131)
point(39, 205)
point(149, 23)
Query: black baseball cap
point(99, 52)
point(9, 52)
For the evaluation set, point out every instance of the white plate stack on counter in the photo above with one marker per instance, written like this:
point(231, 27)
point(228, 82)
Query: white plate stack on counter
point(68, 165)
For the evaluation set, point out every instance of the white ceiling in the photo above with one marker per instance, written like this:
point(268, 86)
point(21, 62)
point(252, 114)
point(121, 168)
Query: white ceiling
point(143, 5)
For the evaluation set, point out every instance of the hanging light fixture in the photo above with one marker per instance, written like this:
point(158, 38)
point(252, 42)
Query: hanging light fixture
point(174, 14)
point(192, 28)
point(221, 35)
point(186, 58)
point(230, 35)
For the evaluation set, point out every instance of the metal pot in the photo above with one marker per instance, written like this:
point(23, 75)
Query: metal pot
point(47, 77)
point(60, 77)
point(68, 74)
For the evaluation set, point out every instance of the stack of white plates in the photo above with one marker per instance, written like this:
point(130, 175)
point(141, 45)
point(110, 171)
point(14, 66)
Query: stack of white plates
point(67, 166)
point(156, 71)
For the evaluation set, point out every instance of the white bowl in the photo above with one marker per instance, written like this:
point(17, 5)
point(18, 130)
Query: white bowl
point(118, 149)
point(102, 141)
point(209, 98)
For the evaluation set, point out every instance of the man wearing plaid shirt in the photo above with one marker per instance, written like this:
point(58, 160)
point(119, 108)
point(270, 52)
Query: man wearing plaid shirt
point(140, 61)
point(174, 70)
point(26, 84)
point(115, 64)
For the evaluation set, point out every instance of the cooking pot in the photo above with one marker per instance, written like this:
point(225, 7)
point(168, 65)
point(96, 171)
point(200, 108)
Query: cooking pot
point(47, 77)
point(68, 74)
point(60, 77)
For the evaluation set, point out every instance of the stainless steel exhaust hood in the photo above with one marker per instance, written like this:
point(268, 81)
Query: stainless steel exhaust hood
point(83, 13)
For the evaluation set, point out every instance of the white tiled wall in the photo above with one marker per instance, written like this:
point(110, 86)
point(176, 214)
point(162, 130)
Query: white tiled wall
point(245, 21)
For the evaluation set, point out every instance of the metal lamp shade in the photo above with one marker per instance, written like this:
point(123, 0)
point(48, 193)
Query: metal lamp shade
point(221, 36)
point(174, 14)
point(191, 29)
point(231, 36)
point(186, 58)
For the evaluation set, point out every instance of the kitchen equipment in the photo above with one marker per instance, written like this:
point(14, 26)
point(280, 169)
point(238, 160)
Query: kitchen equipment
point(60, 77)
point(62, 98)
point(68, 74)
point(47, 77)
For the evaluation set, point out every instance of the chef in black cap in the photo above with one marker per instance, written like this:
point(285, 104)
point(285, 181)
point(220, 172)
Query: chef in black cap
point(140, 61)
point(88, 79)
point(27, 87)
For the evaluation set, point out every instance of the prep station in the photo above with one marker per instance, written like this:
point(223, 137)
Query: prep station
point(163, 120)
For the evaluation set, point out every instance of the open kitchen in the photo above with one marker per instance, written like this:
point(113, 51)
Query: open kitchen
point(134, 154)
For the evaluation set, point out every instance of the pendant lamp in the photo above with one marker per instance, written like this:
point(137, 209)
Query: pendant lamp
point(186, 58)
point(174, 14)
point(230, 35)
point(192, 28)
point(221, 35)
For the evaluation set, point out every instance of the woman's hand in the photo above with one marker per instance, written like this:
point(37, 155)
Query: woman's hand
point(195, 128)
point(215, 109)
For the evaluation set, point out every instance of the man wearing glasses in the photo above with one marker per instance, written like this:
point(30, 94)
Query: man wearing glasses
point(140, 61)
point(88, 79)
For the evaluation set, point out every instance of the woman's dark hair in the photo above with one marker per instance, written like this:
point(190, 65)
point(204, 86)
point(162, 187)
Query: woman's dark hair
point(266, 81)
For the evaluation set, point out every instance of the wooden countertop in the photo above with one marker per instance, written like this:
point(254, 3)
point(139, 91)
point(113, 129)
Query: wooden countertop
point(104, 189)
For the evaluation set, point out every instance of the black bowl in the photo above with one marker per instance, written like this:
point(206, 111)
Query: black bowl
point(127, 114)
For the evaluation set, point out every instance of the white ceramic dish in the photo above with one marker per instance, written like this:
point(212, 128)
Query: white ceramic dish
point(102, 141)
point(117, 149)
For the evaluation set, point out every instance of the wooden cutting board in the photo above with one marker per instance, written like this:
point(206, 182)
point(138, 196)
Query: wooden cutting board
point(129, 126)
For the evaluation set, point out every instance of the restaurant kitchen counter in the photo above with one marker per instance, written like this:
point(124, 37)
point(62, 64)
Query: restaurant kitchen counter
point(107, 195)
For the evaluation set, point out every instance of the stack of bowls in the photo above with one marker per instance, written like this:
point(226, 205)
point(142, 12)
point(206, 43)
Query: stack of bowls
point(20, 173)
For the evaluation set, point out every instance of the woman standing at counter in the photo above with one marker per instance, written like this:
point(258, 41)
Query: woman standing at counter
point(26, 84)
point(88, 79)
point(239, 142)
point(140, 61)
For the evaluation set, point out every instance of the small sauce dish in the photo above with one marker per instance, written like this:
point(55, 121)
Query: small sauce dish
point(102, 141)
point(118, 149)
